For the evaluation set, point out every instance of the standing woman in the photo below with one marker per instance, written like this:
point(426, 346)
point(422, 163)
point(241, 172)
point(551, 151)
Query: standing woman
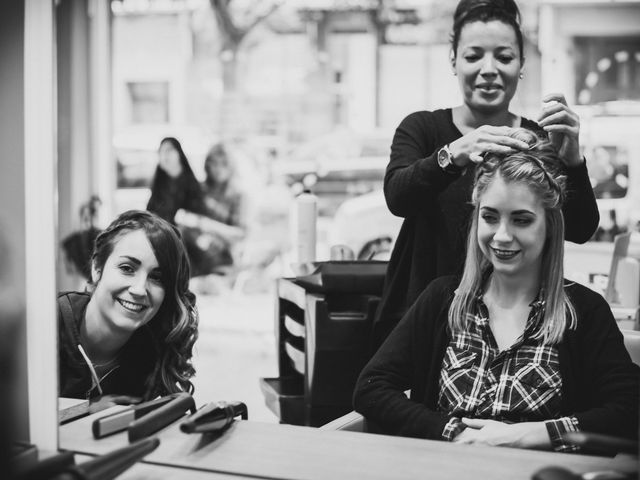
point(174, 185)
point(433, 156)
point(133, 335)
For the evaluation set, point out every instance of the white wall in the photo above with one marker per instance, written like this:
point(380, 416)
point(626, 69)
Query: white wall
point(150, 48)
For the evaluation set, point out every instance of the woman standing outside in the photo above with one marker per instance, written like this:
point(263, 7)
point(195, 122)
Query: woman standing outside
point(133, 334)
point(510, 354)
point(433, 156)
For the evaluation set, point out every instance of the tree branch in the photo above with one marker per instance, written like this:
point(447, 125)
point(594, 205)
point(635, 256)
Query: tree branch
point(233, 33)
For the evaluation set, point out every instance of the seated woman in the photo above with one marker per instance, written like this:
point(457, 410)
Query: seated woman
point(511, 353)
point(133, 335)
point(210, 237)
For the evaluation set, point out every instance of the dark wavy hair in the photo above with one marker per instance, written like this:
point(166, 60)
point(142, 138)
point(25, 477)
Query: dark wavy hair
point(174, 328)
point(542, 171)
point(468, 11)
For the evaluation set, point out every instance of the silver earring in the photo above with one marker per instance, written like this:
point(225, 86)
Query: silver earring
point(521, 76)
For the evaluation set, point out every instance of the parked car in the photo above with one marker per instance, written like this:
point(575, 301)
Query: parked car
point(336, 167)
point(366, 226)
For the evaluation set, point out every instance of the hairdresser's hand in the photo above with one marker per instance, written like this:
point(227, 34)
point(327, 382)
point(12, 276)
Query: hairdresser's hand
point(472, 146)
point(107, 401)
point(495, 433)
point(563, 127)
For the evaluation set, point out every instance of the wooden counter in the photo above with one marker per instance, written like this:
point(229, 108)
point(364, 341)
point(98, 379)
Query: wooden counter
point(263, 450)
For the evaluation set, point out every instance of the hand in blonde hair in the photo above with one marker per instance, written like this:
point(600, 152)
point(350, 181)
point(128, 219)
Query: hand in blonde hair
point(485, 139)
point(563, 126)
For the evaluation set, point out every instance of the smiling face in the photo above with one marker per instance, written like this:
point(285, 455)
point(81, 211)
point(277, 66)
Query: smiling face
point(487, 63)
point(128, 290)
point(512, 228)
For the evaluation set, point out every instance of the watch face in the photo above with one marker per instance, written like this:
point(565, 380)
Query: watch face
point(443, 158)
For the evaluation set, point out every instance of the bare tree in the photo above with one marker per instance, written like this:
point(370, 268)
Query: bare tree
point(235, 25)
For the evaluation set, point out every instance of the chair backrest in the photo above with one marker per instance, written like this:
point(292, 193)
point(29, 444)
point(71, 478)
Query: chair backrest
point(620, 250)
point(632, 342)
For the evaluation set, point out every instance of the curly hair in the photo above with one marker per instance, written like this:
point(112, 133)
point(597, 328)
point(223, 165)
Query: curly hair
point(541, 170)
point(174, 328)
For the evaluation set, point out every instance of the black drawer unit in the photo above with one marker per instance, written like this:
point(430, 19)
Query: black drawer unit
point(322, 339)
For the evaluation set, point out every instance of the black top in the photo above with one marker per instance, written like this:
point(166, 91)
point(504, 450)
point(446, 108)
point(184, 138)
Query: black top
point(169, 194)
point(436, 209)
point(600, 384)
point(135, 363)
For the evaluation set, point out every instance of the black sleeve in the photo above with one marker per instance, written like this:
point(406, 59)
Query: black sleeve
point(160, 201)
point(413, 178)
point(614, 380)
point(379, 392)
point(580, 210)
point(194, 198)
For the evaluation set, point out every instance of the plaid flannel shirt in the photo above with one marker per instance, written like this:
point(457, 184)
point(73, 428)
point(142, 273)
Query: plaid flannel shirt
point(521, 383)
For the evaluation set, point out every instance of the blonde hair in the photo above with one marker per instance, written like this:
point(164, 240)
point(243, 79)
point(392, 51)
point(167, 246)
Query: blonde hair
point(540, 169)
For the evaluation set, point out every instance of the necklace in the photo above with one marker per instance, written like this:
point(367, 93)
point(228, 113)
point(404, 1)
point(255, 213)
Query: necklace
point(107, 363)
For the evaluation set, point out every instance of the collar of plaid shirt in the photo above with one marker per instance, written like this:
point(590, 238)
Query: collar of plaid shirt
point(481, 312)
point(519, 383)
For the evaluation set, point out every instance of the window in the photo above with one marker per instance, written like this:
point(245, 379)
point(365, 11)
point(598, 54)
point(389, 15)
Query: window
point(149, 102)
point(607, 69)
point(608, 170)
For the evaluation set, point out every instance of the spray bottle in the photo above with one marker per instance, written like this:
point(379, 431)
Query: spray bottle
point(306, 212)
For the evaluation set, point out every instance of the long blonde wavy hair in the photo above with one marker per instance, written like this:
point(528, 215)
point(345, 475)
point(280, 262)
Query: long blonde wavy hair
point(540, 169)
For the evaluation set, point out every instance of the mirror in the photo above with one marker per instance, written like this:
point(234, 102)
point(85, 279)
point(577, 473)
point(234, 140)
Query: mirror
point(169, 73)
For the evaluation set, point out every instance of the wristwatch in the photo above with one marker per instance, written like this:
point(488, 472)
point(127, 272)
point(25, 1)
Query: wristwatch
point(446, 162)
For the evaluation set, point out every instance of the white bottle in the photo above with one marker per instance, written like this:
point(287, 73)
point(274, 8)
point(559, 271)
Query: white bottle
point(306, 213)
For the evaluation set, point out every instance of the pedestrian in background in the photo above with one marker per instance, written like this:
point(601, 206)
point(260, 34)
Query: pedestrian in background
point(174, 184)
point(211, 237)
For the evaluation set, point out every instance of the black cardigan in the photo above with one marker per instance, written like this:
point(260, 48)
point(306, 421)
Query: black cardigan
point(136, 360)
point(436, 209)
point(600, 384)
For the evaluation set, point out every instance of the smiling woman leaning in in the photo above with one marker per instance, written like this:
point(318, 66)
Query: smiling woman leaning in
point(510, 353)
point(133, 335)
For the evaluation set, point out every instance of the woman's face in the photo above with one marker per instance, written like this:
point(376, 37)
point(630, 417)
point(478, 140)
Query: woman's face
point(512, 228)
point(128, 290)
point(488, 65)
point(218, 167)
point(169, 159)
